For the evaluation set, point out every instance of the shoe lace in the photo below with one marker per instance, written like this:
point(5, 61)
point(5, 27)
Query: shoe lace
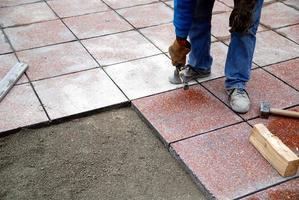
point(241, 92)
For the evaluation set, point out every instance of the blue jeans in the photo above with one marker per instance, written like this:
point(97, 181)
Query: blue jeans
point(240, 51)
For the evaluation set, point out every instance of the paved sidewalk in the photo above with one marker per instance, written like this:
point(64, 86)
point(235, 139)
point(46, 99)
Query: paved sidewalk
point(85, 56)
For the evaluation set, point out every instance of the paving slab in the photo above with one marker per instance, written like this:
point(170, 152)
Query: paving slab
point(116, 4)
point(81, 92)
point(293, 3)
point(5, 3)
point(290, 32)
point(4, 45)
point(39, 34)
point(180, 114)
point(225, 164)
point(56, 60)
point(272, 90)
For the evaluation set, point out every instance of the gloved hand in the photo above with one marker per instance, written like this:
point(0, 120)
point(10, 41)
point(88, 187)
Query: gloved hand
point(240, 19)
point(178, 52)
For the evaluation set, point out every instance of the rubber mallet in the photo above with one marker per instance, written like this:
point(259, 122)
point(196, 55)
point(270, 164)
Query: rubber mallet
point(266, 110)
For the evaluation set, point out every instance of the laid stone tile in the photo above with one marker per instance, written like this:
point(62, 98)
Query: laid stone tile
point(4, 3)
point(68, 8)
point(272, 90)
point(229, 3)
point(25, 14)
point(181, 114)
point(290, 32)
point(77, 93)
point(40, 34)
point(286, 129)
point(4, 45)
point(97, 24)
point(287, 191)
point(272, 48)
point(278, 14)
point(7, 61)
point(20, 108)
point(120, 47)
point(147, 15)
point(56, 60)
point(225, 163)
point(293, 3)
point(143, 77)
point(170, 3)
point(220, 7)
point(287, 71)
point(116, 4)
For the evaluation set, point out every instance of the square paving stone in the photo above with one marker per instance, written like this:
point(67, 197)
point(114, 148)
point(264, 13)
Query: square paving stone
point(278, 14)
point(293, 3)
point(7, 61)
point(147, 15)
point(170, 3)
point(20, 108)
point(68, 8)
point(56, 60)
point(273, 90)
point(25, 14)
point(4, 3)
point(229, 3)
point(287, 71)
point(180, 114)
point(115, 4)
point(97, 24)
point(37, 35)
point(4, 45)
point(225, 164)
point(120, 47)
point(285, 191)
point(220, 7)
point(290, 32)
point(272, 48)
point(77, 93)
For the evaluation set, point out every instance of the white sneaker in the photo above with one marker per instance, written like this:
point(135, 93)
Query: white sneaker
point(239, 100)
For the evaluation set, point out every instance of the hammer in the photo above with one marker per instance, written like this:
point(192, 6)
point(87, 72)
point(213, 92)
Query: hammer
point(266, 111)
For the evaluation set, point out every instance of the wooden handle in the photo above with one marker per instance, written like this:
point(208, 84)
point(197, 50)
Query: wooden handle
point(286, 113)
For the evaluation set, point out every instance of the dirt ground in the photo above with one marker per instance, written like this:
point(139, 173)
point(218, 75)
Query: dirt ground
point(112, 155)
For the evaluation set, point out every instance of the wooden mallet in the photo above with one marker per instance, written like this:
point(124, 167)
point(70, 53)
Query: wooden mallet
point(266, 110)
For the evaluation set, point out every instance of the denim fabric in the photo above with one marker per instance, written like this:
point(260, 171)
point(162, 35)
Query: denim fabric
point(240, 52)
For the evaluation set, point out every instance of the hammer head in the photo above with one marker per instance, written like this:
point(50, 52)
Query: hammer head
point(265, 109)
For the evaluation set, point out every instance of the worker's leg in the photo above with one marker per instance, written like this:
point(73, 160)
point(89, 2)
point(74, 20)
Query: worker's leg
point(200, 36)
point(240, 54)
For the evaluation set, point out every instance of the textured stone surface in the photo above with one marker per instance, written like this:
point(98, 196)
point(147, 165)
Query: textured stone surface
point(290, 32)
point(40, 34)
point(20, 108)
point(226, 163)
point(15, 2)
point(180, 114)
point(116, 4)
point(76, 93)
point(25, 14)
point(4, 45)
point(97, 24)
point(293, 3)
point(120, 47)
point(56, 60)
point(220, 7)
point(272, 90)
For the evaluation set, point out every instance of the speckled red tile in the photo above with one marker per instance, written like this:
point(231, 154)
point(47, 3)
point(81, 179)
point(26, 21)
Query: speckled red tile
point(56, 60)
point(287, 71)
point(68, 8)
point(120, 47)
point(180, 114)
point(77, 93)
point(272, 48)
point(97, 24)
point(287, 129)
point(290, 32)
point(4, 45)
point(115, 4)
point(273, 90)
point(225, 163)
point(285, 191)
point(147, 15)
point(4, 3)
point(25, 14)
point(20, 108)
point(7, 61)
point(277, 15)
point(40, 34)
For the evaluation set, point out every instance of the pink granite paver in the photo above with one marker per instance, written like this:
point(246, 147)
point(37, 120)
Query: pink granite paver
point(25, 14)
point(116, 4)
point(56, 60)
point(4, 3)
point(4, 45)
point(290, 32)
point(97, 24)
point(225, 163)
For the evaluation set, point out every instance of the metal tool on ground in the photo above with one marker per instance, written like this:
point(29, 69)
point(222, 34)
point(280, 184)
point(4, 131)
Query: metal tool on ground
point(266, 110)
point(179, 78)
point(281, 157)
point(11, 78)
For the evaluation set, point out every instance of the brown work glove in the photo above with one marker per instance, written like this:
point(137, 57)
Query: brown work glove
point(178, 52)
point(240, 19)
